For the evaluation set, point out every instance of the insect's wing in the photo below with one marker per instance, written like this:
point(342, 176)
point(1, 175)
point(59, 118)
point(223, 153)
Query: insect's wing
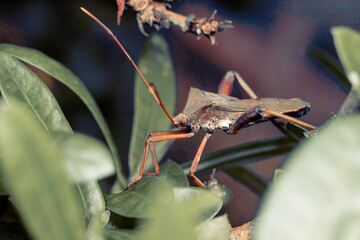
point(238, 105)
point(198, 99)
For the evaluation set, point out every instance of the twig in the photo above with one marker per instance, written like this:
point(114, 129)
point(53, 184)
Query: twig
point(243, 232)
point(157, 14)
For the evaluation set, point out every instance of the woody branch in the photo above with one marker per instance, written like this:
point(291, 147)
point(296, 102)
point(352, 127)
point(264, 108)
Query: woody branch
point(158, 15)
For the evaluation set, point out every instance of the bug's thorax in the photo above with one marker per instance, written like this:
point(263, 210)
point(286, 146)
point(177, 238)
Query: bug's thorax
point(211, 111)
point(207, 118)
point(207, 111)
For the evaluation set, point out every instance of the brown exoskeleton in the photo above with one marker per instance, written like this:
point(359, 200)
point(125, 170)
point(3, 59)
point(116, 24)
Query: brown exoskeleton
point(210, 111)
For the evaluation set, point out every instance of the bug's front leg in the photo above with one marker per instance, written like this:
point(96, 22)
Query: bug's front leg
point(197, 160)
point(157, 137)
point(227, 84)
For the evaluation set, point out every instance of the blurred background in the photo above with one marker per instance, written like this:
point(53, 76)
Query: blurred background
point(269, 46)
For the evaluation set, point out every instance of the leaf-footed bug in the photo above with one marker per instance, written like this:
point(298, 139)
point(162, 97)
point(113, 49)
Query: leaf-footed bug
point(211, 111)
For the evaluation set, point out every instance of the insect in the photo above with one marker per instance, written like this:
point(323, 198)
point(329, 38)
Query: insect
point(210, 111)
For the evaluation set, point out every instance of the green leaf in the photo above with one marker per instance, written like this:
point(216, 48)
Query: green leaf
point(156, 65)
point(173, 174)
point(116, 234)
point(243, 154)
point(177, 220)
point(64, 75)
point(138, 201)
point(35, 177)
point(220, 190)
point(142, 199)
point(93, 203)
point(248, 177)
point(318, 197)
point(85, 158)
point(201, 202)
point(167, 212)
point(332, 65)
point(215, 229)
point(347, 43)
point(293, 131)
point(2, 189)
point(172, 221)
point(18, 83)
point(278, 174)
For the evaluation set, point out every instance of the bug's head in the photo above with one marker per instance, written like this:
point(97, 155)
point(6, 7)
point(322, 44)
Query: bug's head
point(297, 107)
point(181, 121)
point(186, 122)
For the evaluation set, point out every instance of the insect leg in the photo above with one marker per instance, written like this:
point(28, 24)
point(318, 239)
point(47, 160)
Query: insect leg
point(197, 160)
point(227, 83)
point(150, 88)
point(157, 137)
point(285, 117)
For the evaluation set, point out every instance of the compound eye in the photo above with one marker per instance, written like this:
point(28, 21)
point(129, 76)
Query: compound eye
point(183, 121)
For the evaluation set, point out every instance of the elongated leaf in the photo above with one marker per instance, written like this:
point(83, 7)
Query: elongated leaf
point(173, 174)
point(86, 158)
point(215, 229)
point(243, 154)
point(116, 234)
point(172, 221)
point(294, 132)
point(199, 201)
point(347, 43)
point(18, 83)
point(93, 204)
point(332, 65)
point(171, 212)
point(138, 201)
point(318, 197)
point(278, 174)
point(2, 189)
point(155, 64)
point(34, 176)
point(141, 201)
point(249, 178)
point(177, 220)
point(64, 75)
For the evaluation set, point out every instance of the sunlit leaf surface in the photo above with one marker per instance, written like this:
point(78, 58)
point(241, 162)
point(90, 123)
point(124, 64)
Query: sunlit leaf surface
point(318, 196)
point(32, 172)
point(64, 75)
point(85, 158)
point(347, 43)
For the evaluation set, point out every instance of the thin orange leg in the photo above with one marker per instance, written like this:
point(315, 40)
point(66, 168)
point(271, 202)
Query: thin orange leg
point(158, 137)
point(154, 158)
point(227, 84)
point(197, 160)
point(287, 118)
point(151, 89)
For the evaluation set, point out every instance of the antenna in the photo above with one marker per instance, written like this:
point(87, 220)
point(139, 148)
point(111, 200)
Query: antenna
point(151, 88)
